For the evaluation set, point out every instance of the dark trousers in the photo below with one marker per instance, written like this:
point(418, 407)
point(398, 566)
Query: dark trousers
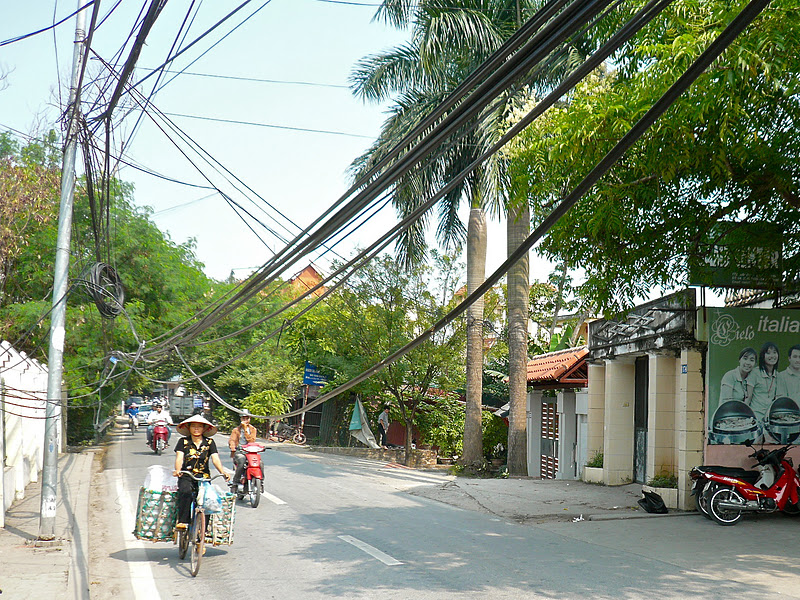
point(239, 460)
point(187, 492)
point(383, 435)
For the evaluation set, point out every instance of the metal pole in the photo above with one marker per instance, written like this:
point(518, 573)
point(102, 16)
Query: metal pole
point(55, 360)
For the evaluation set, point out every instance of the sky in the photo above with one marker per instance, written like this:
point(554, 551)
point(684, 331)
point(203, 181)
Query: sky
point(304, 125)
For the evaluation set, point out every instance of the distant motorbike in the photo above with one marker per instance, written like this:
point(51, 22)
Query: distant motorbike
point(724, 494)
point(251, 483)
point(160, 435)
point(290, 432)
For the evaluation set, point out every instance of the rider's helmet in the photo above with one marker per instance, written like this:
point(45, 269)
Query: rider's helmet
point(245, 413)
point(156, 405)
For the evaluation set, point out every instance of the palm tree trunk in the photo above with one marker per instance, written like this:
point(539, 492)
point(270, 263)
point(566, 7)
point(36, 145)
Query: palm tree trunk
point(518, 228)
point(476, 273)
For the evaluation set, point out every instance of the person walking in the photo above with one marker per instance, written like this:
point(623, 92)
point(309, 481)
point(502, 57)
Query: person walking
point(383, 426)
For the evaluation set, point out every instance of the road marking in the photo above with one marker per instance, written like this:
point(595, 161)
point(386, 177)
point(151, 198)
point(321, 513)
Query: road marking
point(271, 498)
point(142, 581)
point(371, 550)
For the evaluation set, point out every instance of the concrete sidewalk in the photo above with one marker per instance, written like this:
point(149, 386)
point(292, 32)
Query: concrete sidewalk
point(523, 499)
point(56, 569)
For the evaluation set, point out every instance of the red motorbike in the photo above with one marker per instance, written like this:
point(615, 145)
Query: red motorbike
point(160, 436)
point(251, 483)
point(724, 494)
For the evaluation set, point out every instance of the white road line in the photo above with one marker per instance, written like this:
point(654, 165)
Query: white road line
point(142, 581)
point(271, 498)
point(371, 550)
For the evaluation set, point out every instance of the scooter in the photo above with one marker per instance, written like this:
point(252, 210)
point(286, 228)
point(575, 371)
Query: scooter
point(160, 435)
point(252, 480)
point(733, 492)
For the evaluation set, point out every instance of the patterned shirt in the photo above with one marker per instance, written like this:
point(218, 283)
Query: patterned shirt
point(196, 458)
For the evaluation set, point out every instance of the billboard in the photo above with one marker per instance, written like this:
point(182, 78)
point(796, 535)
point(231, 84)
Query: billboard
point(753, 376)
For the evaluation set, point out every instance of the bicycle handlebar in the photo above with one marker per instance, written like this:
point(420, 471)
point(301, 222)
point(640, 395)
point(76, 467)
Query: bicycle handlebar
point(189, 473)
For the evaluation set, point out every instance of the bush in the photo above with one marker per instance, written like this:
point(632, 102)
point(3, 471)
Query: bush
point(596, 460)
point(495, 436)
point(664, 480)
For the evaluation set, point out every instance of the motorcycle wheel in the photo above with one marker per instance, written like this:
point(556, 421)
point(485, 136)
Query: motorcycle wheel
point(724, 516)
point(299, 438)
point(160, 447)
point(254, 485)
point(701, 497)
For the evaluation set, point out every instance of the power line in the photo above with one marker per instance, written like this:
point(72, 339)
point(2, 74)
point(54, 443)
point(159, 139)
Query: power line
point(257, 80)
point(48, 28)
point(269, 125)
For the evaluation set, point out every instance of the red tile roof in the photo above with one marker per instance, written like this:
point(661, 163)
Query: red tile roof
point(558, 370)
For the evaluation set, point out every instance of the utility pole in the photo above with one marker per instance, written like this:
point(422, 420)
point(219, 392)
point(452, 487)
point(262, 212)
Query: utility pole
point(55, 360)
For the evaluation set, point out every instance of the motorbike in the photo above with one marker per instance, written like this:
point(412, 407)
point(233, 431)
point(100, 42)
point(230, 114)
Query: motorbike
point(160, 434)
point(290, 432)
point(724, 494)
point(251, 483)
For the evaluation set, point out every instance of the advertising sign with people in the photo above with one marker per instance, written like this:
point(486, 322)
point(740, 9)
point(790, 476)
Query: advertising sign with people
point(753, 376)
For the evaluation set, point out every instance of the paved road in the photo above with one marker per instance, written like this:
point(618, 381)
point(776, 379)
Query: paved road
point(339, 527)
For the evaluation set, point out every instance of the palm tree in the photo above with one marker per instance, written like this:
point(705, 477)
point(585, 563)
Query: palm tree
point(449, 40)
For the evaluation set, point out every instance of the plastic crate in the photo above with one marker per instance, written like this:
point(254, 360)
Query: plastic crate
point(156, 515)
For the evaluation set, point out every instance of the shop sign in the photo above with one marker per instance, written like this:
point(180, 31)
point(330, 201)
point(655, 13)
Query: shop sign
point(744, 255)
point(753, 376)
point(312, 376)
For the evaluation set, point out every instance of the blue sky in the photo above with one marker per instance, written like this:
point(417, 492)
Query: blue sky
point(305, 48)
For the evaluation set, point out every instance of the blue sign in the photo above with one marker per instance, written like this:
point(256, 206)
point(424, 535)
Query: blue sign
point(312, 376)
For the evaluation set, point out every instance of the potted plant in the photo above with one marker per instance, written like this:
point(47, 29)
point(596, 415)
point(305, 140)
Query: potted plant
point(665, 485)
point(593, 470)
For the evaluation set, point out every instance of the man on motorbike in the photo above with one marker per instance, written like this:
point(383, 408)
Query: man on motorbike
point(243, 434)
point(158, 415)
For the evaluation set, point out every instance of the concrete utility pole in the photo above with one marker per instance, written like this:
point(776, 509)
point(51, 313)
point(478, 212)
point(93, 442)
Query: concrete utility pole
point(55, 360)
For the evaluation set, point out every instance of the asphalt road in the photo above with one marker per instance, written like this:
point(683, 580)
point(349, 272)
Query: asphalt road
point(338, 527)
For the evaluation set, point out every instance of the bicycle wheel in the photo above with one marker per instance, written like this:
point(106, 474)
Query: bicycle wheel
point(299, 438)
point(183, 543)
point(197, 539)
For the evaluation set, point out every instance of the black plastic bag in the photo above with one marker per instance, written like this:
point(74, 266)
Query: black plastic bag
point(653, 503)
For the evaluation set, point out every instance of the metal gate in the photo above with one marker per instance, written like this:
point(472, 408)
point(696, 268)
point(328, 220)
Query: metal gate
point(549, 446)
point(640, 393)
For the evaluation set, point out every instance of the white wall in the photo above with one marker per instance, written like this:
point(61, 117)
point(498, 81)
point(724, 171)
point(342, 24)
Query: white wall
point(23, 395)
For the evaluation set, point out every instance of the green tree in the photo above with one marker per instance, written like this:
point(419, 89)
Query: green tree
point(382, 309)
point(725, 153)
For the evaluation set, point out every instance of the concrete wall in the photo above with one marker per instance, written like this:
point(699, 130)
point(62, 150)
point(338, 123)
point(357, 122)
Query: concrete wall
point(618, 421)
point(23, 394)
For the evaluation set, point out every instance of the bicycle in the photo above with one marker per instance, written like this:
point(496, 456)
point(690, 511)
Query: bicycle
point(194, 537)
point(133, 424)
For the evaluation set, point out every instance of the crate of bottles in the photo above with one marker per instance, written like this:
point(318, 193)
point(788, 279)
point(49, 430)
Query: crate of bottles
point(220, 526)
point(156, 515)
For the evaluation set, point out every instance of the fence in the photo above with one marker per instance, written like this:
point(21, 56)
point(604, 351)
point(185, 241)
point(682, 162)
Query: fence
point(23, 398)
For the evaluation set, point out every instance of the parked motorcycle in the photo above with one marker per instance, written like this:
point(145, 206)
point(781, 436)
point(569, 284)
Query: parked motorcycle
point(290, 432)
point(251, 483)
point(724, 494)
point(160, 436)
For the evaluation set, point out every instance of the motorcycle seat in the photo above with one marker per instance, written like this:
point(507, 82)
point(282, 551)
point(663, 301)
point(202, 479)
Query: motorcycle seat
point(738, 472)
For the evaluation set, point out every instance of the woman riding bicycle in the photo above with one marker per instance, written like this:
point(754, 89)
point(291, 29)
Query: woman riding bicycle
point(192, 453)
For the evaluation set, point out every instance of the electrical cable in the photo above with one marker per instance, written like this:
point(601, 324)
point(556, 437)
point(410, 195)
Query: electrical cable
point(19, 38)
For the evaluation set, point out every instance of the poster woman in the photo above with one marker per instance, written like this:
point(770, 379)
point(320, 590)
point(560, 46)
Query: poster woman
point(735, 384)
point(765, 381)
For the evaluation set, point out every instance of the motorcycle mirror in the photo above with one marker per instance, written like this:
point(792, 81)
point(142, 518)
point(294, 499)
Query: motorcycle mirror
point(748, 443)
